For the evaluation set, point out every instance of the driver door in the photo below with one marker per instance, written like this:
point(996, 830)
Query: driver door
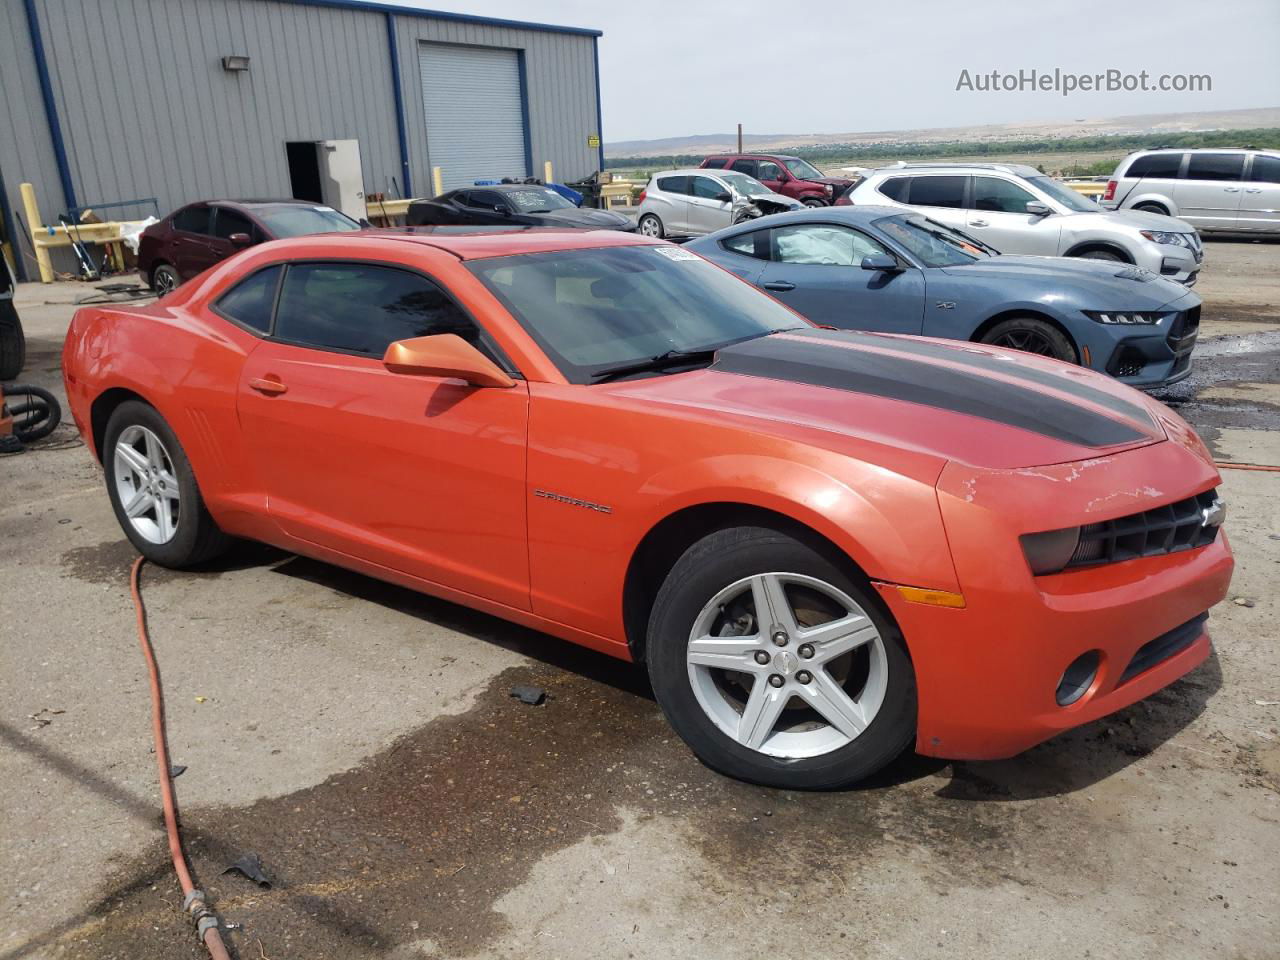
point(707, 211)
point(486, 208)
point(421, 475)
point(816, 269)
point(997, 215)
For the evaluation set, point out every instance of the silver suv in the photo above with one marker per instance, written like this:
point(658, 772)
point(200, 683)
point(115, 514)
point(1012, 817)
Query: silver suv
point(1228, 191)
point(1017, 209)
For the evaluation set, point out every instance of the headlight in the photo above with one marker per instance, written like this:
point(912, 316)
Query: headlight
point(1050, 551)
point(1167, 238)
point(1124, 317)
point(830, 189)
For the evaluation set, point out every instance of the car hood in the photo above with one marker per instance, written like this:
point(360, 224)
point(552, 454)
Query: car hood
point(581, 218)
point(1102, 283)
point(1136, 219)
point(860, 393)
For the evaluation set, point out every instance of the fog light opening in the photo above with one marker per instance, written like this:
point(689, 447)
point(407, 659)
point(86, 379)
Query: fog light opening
point(1078, 678)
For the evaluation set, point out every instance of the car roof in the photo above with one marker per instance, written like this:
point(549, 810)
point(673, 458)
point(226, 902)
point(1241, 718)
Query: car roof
point(857, 215)
point(1267, 150)
point(265, 202)
point(480, 243)
point(1017, 169)
point(752, 156)
point(690, 171)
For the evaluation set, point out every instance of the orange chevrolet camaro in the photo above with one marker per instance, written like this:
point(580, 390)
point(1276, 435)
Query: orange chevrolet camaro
point(826, 546)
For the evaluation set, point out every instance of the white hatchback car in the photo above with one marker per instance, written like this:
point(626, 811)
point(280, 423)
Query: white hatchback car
point(694, 202)
point(1017, 209)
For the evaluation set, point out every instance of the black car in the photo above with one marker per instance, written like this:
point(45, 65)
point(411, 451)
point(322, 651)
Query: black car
point(515, 204)
point(13, 345)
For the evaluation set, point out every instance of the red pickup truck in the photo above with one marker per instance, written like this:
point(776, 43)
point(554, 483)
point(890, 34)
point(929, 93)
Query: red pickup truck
point(789, 176)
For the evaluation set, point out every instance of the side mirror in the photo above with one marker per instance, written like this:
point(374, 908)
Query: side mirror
point(1038, 208)
point(240, 240)
point(444, 355)
point(880, 261)
point(724, 197)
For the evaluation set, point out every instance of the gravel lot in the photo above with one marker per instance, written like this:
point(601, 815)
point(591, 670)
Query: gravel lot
point(361, 740)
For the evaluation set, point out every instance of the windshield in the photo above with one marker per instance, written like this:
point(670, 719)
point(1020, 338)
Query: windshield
point(802, 169)
point(598, 308)
point(288, 220)
point(747, 186)
point(538, 200)
point(931, 243)
point(1064, 195)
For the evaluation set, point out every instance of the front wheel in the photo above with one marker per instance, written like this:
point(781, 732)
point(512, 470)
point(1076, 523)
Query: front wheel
point(153, 490)
point(776, 666)
point(813, 202)
point(1032, 335)
point(651, 226)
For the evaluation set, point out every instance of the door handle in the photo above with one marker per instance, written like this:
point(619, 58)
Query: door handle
point(779, 285)
point(1231, 189)
point(1254, 190)
point(270, 387)
point(977, 223)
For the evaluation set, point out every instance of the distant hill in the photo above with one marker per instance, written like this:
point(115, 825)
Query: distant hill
point(1154, 123)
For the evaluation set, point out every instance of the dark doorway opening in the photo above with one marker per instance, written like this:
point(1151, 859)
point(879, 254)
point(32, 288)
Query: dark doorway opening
point(304, 170)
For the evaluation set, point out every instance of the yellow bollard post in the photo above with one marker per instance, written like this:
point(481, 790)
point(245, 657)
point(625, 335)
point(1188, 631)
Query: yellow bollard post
point(34, 223)
point(437, 181)
point(546, 173)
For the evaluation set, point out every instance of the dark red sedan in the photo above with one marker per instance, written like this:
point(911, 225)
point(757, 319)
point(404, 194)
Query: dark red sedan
point(195, 237)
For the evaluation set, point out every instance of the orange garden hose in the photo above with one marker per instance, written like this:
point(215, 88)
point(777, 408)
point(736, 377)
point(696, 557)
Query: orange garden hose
point(193, 899)
point(1268, 467)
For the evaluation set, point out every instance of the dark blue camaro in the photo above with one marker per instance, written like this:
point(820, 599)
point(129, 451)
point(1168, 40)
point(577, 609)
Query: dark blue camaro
point(877, 268)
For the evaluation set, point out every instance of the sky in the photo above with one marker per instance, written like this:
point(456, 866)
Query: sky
point(671, 68)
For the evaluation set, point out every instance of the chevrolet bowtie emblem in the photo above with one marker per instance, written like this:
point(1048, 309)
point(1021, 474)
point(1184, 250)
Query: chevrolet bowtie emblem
point(1214, 514)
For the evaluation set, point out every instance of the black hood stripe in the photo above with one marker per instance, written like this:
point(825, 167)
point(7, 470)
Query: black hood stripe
point(1010, 368)
point(811, 357)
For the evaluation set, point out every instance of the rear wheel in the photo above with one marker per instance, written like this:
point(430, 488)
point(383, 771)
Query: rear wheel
point(651, 226)
point(165, 279)
point(1151, 208)
point(1032, 335)
point(13, 342)
point(776, 666)
point(153, 490)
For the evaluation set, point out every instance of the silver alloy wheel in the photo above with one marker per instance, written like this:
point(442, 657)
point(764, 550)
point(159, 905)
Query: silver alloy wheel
point(146, 484)
point(650, 227)
point(746, 670)
point(166, 281)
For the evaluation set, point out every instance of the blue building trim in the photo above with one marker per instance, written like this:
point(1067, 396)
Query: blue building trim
point(445, 15)
point(402, 132)
point(524, 114)
point(50, 107)
point(595, 49)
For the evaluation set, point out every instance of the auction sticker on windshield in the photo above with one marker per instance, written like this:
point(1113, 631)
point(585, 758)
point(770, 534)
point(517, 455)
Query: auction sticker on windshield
point(677, 253)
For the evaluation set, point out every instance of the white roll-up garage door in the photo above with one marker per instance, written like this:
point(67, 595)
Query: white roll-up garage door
point(475, 117)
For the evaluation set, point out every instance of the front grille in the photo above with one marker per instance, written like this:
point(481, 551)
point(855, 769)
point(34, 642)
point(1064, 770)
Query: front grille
point(1152, 533)
point(1163, 647)
point(1183, 333)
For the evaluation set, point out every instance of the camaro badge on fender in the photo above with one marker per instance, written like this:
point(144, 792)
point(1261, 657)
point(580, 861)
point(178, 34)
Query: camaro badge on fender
point(573, 501)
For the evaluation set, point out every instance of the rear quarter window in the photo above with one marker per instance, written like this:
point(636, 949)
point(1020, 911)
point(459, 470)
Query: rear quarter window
point(673, 184)
point(192, 220)
point(251, 302)
point(895, 188)
point(1163, 166)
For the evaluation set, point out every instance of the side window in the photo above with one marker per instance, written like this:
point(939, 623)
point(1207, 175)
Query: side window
point(706, 188)
point(226, 222)
point(769, 171)
point(363, 308)
point(895, 188)
point(714, 163)
point(749, 167)
point(992, 193)
point(1265, 169)
point(249, 302)
point(194, 219)
point(754, 244)
point(937, 191)
point(822, 243)
point(673, 184)
point(486, 199)
point(1162, 166)
point(1215, 166)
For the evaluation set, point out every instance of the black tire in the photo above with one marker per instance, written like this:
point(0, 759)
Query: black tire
point(709, 566)
point(1151, 208)
point(13, 342)
point(659, 230)
point(165, 279)
point(813, 202)
point(1101, 254)
point(196, 537)
point(36, 412)
point(1032, 335)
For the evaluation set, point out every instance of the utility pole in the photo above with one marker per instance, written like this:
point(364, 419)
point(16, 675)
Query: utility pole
point(739, 138)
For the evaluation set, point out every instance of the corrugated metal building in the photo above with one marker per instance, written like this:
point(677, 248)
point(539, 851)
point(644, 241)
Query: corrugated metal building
point(110, 100)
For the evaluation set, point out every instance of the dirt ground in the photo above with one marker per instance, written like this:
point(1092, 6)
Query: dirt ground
point(361, 740)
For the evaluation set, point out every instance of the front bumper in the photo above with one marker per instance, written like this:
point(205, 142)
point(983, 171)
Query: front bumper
point(1172, 262)
point(988, 674)
point(1148, 357)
